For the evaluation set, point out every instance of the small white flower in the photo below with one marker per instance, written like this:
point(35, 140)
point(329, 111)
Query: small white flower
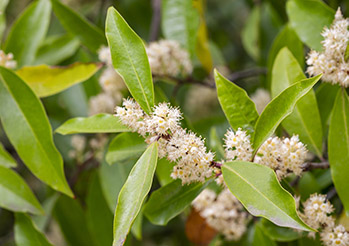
point(6, 60)
point(238, 145)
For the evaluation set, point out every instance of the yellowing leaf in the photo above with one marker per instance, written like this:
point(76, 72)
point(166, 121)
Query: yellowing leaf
point(48, 80)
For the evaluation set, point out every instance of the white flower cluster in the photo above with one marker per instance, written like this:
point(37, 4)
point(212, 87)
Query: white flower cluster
point(112, 84)
point(163, 125)
point(261, 98)
point(283, 155)
point(331, 62)
point(6, 60)
point(167, 58)
point(223, 212)
point(316, 213)
point(238, 146)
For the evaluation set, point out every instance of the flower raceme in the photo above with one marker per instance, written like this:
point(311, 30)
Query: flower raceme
point(331, 61)
point(193, 161)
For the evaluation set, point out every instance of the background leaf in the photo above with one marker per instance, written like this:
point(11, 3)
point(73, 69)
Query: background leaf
point(26, 234)
point(180, 22)
point(3, 5)
point(46, 81)
point(6, 159)
point(170, 200)
point(130, 59)
point(99, 123)
point(25, 122)
point(308, 18)
point(237, 106)
point(89, 34)
point(133, 193)
point(305, 119)
point(128, 145)
point(262, 196)
point(338, 147)
point(163, 171)
point(28, 31)
point(250, 34)
point(279, 108)
point(15, 193)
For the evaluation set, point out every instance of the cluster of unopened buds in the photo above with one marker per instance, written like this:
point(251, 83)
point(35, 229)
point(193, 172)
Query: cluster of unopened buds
point(317, 214)
point(331, 62)
point(6, 60)
point(222, 212)
point(193, 162)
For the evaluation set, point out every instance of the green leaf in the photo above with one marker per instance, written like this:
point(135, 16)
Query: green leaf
point(305, 119)
point(280, 234)
point(27, 127)
point(258, 237)
point(338, 147)
point(125, 146)
point(112, 179)
point(346, 56)
point(133, 193)
point(250, 33)
point(326, 95)
point(46, 80)
point(239, 109)
point(3, 5)
point(215, 143)
point(180, 22)
point(89, 34)
point(163, 171)
point(28, 31)
point(258, 189)
point(308, 18)
point(170, 200)
point(26, 234)
point(99, 123)
point(56, 49)
point(42, 221)
point(98, 215)
point(72, 221)
point(286, 38)
point(130, 59)
point(136, 228)
point(15, 193)
point(6, 159)
point(279, 108)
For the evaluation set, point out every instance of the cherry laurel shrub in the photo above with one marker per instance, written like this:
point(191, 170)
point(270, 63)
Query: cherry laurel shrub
point(163, 144)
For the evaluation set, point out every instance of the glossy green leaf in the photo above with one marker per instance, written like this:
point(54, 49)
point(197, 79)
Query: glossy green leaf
point(133, 193)
point(170, 200)
point(326, 95)
point(15, 193)
point(137, 226)
point(6, 159)
point(89, 34)
point(239, 109)
point(180, 22)
point(46, 81)
point(56, 49)
point(338, 147)
point(99, 123)
point(258, 237)
point(305, 119)
point(279, 108)
point(263, 197)
point(250, 33)
point(308, 18)
point(280, 234)
point(27, 127)
point(73, 223)
point(26, 234)
point(28, 31)
point(163, 171)
point(128, 145)
point(98, 215)
point(112, 179)
point(130, 59)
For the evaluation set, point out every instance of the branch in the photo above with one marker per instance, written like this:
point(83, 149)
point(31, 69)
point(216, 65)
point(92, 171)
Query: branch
point(315, 165)
point(155, 21)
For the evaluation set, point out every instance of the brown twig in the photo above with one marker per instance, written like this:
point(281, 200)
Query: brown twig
point(315, 165)
point(331, 193)
point(155, 21)
point(80, 168)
